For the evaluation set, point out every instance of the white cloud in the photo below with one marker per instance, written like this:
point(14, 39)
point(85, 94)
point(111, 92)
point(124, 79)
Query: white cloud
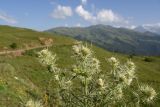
point(5, 17)
point(133, 27)
point(104, 16)
point(84, 13)
point(151, 25)
point(78, 25)
point(62, 12)
point(107, 16)
point(84, 1)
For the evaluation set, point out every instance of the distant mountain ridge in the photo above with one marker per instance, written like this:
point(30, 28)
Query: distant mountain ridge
point(115, 39)
point(151, 28)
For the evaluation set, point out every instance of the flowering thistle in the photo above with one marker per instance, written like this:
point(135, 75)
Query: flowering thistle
point(32, 103)
point(147, 93)
point(112, 60)
point(56, 77)
point(87, 65)
point(85, 50)
point(88, 92)
point(117, 93)
point(123, 73)
point(101, 82)
point(81, 50)
point(48, 59)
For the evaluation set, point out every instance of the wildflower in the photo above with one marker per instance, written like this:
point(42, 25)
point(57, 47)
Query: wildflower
point(32, 103)
point(16, 78)
point(113, 60)
point(95, 60)
point(96, 63)
point(117, 93)
point(128, 81)
point(100, 82)
point(76, 49)
point(81, 50)
point(147, 93)
point(123, 73)
point(46, 58)
point(86, 51)
point(131, 66)
point(68, 83)
point(56, 77)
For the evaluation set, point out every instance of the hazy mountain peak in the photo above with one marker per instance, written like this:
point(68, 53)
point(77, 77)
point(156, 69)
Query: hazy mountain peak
point(154, 28)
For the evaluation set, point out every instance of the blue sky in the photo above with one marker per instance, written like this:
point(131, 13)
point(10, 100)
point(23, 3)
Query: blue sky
point(44, 14)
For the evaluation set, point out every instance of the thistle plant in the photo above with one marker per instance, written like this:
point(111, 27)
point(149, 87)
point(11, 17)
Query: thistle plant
point(57, 84)
point(147, 93)
point(32, 103)
point(85, 85)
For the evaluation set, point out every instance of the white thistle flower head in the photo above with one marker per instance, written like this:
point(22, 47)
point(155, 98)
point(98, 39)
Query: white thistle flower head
point(112, 60)
point(16, 78)
point(100, 82)
point(47, 58)
point(131, 65)
point(32, 103)
point(66, 84)
point(76, 49)
point(128, 81)
point(147, 93)
point(119, 93)
point(56, 77)
point(69, 83)
point(125, 78)
point(96, 63)
point(86, 51)
point(81, 50)
point(78, 42)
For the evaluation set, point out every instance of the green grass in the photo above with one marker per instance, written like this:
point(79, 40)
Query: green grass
point(32, 76)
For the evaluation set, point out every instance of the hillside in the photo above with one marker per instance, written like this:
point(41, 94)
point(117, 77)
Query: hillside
point(23, 77)
point(115, 39)
point(25, 38)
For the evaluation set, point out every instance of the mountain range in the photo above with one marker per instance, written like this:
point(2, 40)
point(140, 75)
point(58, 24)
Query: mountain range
point(148, 28)
point(120, 40)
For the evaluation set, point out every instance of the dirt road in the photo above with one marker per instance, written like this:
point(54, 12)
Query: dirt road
point(22, 50)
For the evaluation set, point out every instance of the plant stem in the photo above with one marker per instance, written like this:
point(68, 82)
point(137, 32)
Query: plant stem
point(86, 91)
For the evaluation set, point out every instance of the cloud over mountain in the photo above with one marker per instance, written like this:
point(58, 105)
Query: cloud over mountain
point(62, 12)
point(103, 16)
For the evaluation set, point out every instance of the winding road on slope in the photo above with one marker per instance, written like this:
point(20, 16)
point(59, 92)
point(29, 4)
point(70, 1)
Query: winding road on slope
point(22, 50)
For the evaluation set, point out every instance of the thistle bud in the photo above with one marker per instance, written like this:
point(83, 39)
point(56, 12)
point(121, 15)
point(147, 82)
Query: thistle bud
point(86, 51)
point(100, 82)
point(56, 77)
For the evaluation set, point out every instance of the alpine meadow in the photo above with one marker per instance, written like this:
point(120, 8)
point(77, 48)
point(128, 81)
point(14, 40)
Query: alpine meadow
point(79, 53)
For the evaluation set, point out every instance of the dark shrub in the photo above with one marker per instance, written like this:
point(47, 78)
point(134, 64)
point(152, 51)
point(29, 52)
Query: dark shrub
point(148, 59)
point(30, 53)
point(13, 45)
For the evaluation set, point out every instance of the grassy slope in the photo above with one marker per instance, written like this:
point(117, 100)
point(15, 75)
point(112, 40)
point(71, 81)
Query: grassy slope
point(32, 75)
